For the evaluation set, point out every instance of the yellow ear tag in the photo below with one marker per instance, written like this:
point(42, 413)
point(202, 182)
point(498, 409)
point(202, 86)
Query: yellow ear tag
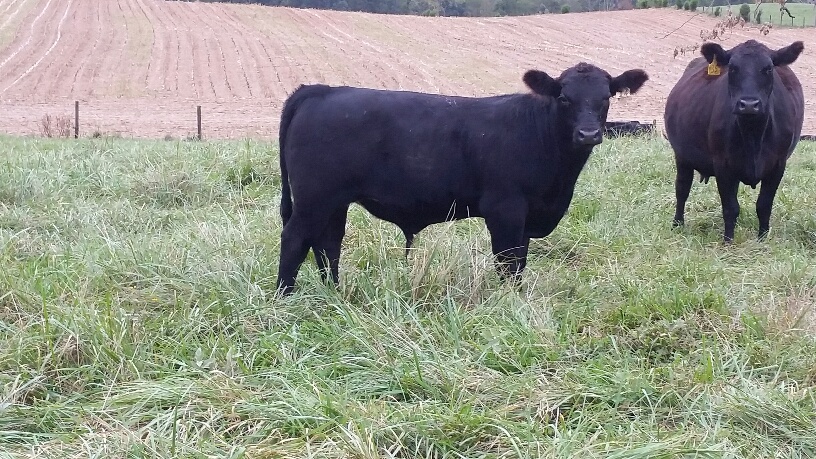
point(713, 68)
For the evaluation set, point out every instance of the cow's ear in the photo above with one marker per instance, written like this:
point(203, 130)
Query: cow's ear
point(712, 50)
point(541, 83)
point(630, 80)
point(788, 54)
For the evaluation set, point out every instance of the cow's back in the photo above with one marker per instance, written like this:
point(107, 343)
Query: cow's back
point(393, 141)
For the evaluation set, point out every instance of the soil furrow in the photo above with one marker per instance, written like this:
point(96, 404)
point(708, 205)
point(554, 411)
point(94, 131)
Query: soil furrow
point(240, 62)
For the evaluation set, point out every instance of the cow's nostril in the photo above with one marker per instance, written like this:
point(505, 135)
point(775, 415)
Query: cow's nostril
point(589, 136)
point(748, 105)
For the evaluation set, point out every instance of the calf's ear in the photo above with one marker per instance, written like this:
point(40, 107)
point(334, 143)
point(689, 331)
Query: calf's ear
point(630, 80)
point(712, 50)
point(541, 83)
point(788, 54)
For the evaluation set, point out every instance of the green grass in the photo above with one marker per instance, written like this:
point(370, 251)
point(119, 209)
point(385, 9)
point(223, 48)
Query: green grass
point(804, 13)
point(137, 318)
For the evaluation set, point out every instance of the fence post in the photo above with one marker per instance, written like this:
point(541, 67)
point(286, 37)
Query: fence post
point(198, 115)
point(76, 119)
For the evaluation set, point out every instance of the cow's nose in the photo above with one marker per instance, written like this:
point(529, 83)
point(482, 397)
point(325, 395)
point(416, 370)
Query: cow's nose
point(589, 136)
point(748, 106)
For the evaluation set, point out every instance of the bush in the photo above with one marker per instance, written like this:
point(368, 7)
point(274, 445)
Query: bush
point(686, 6)
point(665, 3)
point(693, 5)
point(565, 9)
point(717, 12)
point(644, 4)
point(758, 17)
point(745, 12)
point(679, 5)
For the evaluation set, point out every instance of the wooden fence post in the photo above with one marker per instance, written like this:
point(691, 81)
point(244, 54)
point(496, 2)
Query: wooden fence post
point(198, 115)
point(76, 119)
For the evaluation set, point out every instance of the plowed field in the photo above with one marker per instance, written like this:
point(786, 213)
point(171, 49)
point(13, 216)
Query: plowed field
point(140, 67)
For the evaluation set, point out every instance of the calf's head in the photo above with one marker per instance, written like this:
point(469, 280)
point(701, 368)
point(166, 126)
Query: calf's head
point(751, 72)
point(582, 97)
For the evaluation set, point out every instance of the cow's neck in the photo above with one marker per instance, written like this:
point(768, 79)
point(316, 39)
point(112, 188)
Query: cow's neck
point(571, 158)
point(750, 132)
point(748, 135)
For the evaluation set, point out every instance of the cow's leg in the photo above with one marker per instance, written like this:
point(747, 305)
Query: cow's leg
point(727, 186)
point(297, 237)
point(767, 192)
point(682, 187)
point(409, 241)
point(505, 222)
point(327, 246)
point(525, 247)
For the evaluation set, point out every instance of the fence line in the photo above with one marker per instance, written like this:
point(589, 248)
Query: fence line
point(611, 128)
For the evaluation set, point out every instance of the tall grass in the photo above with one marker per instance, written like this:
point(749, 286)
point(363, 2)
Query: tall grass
point(137, 318)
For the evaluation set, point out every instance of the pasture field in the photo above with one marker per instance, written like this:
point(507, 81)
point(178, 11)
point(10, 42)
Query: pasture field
point(804, 13)
point(137, 318)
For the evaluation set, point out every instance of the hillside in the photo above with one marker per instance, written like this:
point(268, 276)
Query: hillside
point(139, 67)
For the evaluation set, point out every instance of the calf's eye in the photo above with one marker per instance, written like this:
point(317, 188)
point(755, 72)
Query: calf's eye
point(562, 99)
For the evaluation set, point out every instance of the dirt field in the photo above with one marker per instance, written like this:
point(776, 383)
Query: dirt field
point(140, 67)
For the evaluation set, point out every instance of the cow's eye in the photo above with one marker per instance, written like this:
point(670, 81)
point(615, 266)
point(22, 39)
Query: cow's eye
point(733, 69)
point(562, 99)
point(767, 70)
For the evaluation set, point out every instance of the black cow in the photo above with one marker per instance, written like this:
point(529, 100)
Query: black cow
point(416, 159)
point(735, 115)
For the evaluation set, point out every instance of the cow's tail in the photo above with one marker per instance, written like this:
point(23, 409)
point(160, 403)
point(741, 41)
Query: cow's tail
point(289, 110)
point(286, 190)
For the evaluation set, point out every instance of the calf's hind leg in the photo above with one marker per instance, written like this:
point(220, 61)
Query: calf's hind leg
point(327, 246)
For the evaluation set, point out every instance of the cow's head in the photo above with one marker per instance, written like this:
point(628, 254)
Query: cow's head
point(751, 72)
point(582, 97)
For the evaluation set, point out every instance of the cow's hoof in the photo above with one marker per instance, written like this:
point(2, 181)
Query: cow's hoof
point(284, 290)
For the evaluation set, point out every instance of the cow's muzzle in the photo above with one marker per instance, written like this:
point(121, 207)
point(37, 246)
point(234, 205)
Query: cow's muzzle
point(748, 106)
point(588, 136)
